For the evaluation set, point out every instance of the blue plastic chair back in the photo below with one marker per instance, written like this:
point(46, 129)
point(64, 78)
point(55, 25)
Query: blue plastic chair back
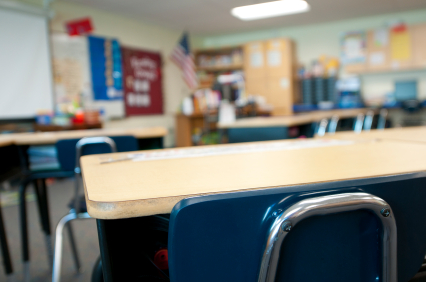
point(254, 134)
point(67, 149)
point(222, 237)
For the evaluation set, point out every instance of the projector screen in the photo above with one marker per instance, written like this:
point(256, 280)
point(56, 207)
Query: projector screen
point(25, 67)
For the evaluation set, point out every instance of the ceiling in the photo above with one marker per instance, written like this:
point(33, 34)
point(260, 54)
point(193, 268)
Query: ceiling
point(206, 17)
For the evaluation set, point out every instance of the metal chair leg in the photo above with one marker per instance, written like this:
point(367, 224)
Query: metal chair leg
point(5, 248)
point(41, 193)
point(359, 121)
point(73, 247)
point(58, 246)
point(57, 259)
point(24, 229)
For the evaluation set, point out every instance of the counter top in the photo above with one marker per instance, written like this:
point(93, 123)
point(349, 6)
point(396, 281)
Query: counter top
point(293, 120)
point(42, 138)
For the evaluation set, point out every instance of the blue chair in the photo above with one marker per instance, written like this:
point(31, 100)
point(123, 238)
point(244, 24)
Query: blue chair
point(69, 153)
point(67, 157)
point(353, 231)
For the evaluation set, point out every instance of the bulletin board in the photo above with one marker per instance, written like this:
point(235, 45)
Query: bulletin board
point(73, 70)
point(392, 49)
point(106, 69)
point(143, 89)
point(70, 68)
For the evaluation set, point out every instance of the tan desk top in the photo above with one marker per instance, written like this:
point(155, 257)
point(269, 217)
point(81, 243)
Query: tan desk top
point(294, 120)
point(38, 138)
point(5, 141)
point(138, 188)
point(409, 134)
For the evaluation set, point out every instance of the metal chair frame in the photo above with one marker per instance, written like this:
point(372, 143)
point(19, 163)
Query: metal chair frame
point(368, 121)
point(325, 205)
point(74, 212)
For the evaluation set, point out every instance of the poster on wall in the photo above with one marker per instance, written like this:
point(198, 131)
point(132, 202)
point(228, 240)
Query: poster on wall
point(106, 68)
point(71, 76)
point(400, 43)
point(143, 91)
point(354, 47)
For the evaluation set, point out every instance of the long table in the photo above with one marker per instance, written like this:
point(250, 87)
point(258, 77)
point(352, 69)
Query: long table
point(407, 134)
point(275, 128)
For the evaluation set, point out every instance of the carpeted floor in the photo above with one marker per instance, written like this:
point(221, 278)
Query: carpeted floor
point(60, 193)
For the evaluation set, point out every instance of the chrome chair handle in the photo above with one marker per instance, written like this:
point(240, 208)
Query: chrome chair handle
point(325, 205)
point(77, 170)
point(368, 121)
point(333, 124)
point(358, 123)
point(382, 119)
point(322, 128)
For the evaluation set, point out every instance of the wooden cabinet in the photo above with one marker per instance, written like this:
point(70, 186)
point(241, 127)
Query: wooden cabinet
point(270, 71)
point(419, 45)
point(185, 126)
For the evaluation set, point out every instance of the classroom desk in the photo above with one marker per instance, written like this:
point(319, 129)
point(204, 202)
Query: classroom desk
point(43, 138)
point(274, 128)
point(15, 161)
point(13, 146)
point(409, 134)
point(139, 188)
point(120, 193)
point(10, 156)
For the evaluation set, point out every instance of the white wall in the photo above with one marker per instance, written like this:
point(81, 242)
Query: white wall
point(324, 39)
point(134, 33)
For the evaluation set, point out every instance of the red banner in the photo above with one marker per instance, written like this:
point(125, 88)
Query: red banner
point(143, 89)
point(79, 27)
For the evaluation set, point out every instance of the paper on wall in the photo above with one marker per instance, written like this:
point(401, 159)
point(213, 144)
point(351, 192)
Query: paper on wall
point(274, 58)
point(377, 58)
point(284, 83)
point(70, 67)
point(353, 47)
point(400, 45)
point(381, 37)
point(256, 59)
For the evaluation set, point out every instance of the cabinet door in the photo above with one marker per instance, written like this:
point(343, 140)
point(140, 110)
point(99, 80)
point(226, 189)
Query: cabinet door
point(280, 58)
point(254, 60)
point(280, 94)
point(256, 86)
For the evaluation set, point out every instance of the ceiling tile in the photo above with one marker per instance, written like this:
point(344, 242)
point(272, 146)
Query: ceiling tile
point(213, 16)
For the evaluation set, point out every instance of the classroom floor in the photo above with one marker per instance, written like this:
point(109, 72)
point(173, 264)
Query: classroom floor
point(60, 194)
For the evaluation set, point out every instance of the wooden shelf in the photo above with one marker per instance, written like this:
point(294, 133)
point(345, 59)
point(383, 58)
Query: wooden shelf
point(387, 70)
point(221, 68)
point(52, 127)
point(217, 51)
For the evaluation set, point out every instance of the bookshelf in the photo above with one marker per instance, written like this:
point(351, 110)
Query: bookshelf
point(212, 62)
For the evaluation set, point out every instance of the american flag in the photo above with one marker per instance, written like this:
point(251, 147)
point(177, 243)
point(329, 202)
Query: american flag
point(183, 58)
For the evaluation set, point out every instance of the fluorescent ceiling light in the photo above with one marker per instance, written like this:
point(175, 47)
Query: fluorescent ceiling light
point(270, 9)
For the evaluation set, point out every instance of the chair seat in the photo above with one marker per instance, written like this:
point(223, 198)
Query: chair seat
point(82, 204)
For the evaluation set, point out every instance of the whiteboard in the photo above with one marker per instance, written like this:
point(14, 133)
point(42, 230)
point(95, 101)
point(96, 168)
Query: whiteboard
point(25, 67)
